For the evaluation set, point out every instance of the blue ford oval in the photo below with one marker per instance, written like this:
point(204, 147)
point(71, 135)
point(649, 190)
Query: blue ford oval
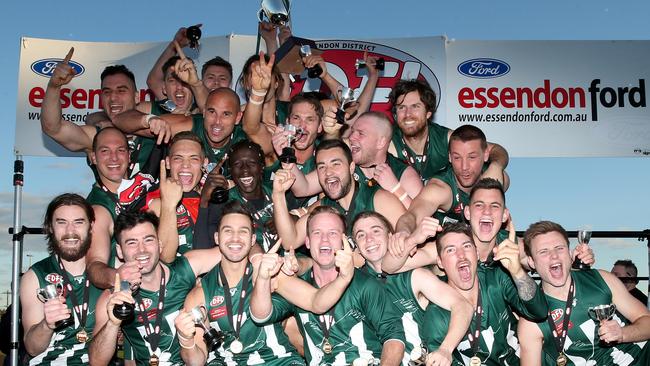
point(46, 66)
point(483, 68)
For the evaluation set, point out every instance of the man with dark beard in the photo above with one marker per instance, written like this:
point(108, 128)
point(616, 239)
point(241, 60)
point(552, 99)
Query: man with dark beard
point(334, 167)
point(421, 142)
point(68, 226)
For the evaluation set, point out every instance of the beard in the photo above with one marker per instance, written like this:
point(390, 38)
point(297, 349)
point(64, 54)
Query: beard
point(70, 254)
point(345, 185)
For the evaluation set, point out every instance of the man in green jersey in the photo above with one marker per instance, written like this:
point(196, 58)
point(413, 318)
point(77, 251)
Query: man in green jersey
point(225, 294)
point(111, 194)
point(411, 290)
point(158, 296)
point(421, 142)
point(68, 226)
point(363, 327)
point(494, 292)
point(445, 196)
point(334, 167)
point(593, 319)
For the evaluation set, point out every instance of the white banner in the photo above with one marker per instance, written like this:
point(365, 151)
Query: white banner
point(536, 98)
point(553, 98)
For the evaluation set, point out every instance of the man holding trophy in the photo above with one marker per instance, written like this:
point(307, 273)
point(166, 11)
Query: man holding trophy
point(57, 298)
point(583, 326)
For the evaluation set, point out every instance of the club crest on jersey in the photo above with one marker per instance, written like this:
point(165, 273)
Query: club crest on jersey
point(140, 184)
point(216, 301)
point(556, 314)
point(54, 278)
point(180, 210)
point(147, 303)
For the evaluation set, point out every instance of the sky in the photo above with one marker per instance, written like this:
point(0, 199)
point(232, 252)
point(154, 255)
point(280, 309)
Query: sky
point(596, 193)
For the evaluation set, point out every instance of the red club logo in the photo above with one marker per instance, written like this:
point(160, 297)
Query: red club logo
point(54, 278)
point(216, 301)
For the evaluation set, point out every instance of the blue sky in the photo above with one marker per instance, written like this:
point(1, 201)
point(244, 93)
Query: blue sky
point(604, 194)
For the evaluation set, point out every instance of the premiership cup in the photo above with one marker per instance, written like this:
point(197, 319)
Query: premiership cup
point(346, 96)
point(167, 105)
point(193, 33)
point(314, 71)
point(219, 196)
point(213, 338)
point(52, 291)
point(274, 11)
point(124, 311)
point(602, 312)
point(288, 155)
point(583, 237)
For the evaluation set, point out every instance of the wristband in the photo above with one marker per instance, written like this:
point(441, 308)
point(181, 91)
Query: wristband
point(183, 338)
point(259, 93)
point(187, 347)
point(255, 102)
point(395, 188)
point(147, 119)
point(403, 197)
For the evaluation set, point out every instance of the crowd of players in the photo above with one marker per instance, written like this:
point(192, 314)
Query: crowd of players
point(383, 239)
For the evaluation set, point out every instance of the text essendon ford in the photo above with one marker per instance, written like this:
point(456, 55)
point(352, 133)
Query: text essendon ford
point(545, 97)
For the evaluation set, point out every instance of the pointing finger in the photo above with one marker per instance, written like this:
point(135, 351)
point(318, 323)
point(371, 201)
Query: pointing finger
point(116, 285)
point(163, 170)
point(292, 251)
point(275, 247)
point(68, 57)
point(179, 50)
point(346, 244)
point(512, 233)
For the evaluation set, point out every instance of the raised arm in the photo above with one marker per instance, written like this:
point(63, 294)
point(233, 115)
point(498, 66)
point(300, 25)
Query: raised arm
point(403, 252)
point(171, 193)
point(388, 205)
point(70, 135)
point(436, 194)
point(186, 72)
point(292, 233)
point(155, 77)
point(261, 78)
point(193, 348)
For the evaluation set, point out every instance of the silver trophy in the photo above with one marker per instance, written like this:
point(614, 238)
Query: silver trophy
point(167, 105)
point(213, 338)
point(274, 11)
point(288, 155)
point(52, 291)
point(419, 356)
point(314, 71)
point(380, 64)
point(602, 312)
point(583, 237)
point(346, 96)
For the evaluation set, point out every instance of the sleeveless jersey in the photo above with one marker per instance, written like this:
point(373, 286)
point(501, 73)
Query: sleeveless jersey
point(460, 199)
point(436, 156)
point(400, 289)
point(363, 320)
point(397, 166)
point(131, 194)
point(180, 281)
point(64, 349)
point(262, 214)
point(363, 199)
point(498, 343)
point(187, 212)
point(582, 343)
point(262, 344)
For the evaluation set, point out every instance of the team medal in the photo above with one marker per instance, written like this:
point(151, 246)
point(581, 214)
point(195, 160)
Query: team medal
point(561, 359)
point(82, 336)
point(153, 361)
point(475, 361)
point(327, 346)
point(236, 346)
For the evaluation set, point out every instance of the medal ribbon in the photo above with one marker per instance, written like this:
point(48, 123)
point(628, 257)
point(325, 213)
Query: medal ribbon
point(407, 151)
point(323, 322)
point(153, 335)
point(236, 327)
point(81, 311)
point(559, 339)
point(475, 337)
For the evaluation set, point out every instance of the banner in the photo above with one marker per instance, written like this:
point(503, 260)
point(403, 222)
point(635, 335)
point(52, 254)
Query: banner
point(536, 98)
point(553, 98)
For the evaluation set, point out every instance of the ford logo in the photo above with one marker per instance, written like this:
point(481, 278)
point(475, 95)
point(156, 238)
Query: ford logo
point(483, 68)
point(46, 66)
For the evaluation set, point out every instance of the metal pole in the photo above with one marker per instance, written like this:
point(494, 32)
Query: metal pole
point(17, 240)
